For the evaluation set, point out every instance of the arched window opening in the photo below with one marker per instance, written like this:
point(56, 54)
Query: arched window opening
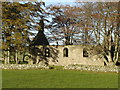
point(47, 52)
point(85, 53)
point(65, 52)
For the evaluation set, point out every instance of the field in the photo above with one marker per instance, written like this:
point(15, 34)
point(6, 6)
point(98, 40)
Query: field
point(58, 79)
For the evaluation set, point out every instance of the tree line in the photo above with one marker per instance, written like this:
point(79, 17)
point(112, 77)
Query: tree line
point(93, 23)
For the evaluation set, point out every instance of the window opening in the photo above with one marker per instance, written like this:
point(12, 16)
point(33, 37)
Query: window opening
point(47, 52)
point(85, 53)
point(65, 52)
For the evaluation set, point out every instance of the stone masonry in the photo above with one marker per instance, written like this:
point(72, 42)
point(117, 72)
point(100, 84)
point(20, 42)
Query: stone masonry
point(71, 54)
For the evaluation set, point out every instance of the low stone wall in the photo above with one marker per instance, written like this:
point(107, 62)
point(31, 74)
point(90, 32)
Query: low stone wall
point(23, 66)
point(93, 68)
point(72, 66)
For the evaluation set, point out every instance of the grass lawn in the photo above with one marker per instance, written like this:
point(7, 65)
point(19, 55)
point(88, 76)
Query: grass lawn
point(58, 79)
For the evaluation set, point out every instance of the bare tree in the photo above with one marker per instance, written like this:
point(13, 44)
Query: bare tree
point(64, 24)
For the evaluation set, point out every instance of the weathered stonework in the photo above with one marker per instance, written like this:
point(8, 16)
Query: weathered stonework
point(73, 59)
point(71, 67)
point(75, 56)
point(94, 68)
point(23, 66)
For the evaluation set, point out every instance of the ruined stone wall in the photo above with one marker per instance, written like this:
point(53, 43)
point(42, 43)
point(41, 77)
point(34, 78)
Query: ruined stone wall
point(75, 56)
point(23, 66)
point(93, 68)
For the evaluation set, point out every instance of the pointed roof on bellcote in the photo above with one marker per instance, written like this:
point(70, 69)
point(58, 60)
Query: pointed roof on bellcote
point(40, 38)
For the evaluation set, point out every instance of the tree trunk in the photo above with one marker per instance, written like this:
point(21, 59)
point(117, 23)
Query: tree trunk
point(117, 51)
point(16, 57)
point(5, 60)
point(8, 57)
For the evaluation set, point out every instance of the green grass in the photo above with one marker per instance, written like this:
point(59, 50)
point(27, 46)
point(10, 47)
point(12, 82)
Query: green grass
point(58, 79)
point(56, 67)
